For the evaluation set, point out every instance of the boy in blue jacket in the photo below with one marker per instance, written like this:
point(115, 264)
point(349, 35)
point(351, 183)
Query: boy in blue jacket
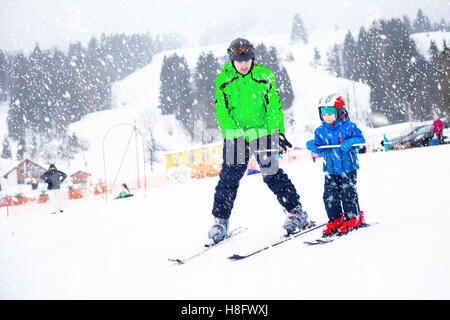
point(340, 164)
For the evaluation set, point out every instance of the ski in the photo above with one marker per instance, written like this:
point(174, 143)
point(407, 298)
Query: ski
point(318, 241)
point(283, 239)
point(209, 246)
point(331, 238)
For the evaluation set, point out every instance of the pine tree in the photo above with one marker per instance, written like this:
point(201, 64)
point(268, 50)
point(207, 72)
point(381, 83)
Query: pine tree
point(167, 103)
point(284, 85)
point(420, 82)
point(77, 83)
point(21, 149)
point(205, 75)
point(442, 26)
point(282, 80)
point(421, 23)
point(443, 68)
point(407, 24)
point(262, 54)
point(349, 58)
point(6, 150)
point(361, 67)
point(3, 77)
point(184, 94)
point(433, 82)
point(176, 94)
point(38, 108)
point(96, 73)
point(334, 62)
point(59, 90)
point(19, 97)
point(317, 57)
point(433, 50)
point(34, 146)
point(298, 32)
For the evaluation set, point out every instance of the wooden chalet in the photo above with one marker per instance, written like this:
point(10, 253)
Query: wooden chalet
point(80, 177)
point(24, 172)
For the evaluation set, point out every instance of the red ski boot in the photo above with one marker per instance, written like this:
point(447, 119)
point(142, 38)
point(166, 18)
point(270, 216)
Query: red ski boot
point(332, 226)
point(351, 224)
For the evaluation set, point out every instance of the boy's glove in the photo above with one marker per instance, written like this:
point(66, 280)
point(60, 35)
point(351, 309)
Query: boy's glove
point(347, 145)
point(312, 146)
point(279, 142)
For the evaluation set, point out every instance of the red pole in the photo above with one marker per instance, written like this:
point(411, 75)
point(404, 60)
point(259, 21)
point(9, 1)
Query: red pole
point(7, 206)
point(104, 166)
point(145, 167)
point(143, 153)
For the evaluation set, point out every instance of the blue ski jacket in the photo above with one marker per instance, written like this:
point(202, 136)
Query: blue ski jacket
point(340, 160)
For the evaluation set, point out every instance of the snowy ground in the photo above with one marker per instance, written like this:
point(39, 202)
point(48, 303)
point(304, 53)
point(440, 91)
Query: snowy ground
point(119, 249)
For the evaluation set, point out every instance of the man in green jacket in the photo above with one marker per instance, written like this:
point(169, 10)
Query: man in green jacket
point(251, 118)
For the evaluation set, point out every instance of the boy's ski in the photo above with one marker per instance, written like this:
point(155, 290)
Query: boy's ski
point(209, 246)
point(318, 241)
point(328, 239)
point(283, 239)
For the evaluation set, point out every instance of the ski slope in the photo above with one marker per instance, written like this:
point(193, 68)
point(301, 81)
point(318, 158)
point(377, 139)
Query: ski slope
point(120, 249)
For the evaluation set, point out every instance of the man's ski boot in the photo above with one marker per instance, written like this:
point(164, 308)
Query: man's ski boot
point(219, 230)
point(297, 219)
point(351, 223)
point(333, 226)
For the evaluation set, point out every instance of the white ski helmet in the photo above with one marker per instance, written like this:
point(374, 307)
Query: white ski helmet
point(333, 100)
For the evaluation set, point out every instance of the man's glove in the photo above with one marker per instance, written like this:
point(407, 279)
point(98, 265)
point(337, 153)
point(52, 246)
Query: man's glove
point(279, 142)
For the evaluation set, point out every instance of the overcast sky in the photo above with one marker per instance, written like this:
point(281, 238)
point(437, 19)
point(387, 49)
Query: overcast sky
point(59, 22)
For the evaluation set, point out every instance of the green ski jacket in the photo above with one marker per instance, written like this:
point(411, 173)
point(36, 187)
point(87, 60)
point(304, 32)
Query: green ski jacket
point(249, 105)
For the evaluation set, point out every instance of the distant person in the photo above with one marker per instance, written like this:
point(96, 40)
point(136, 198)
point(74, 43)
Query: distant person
point(434, 141)
point(438, 128)
point(34, 184)
point(385, 143)
point(340, 164)
point(125, 192)
point(53, 177)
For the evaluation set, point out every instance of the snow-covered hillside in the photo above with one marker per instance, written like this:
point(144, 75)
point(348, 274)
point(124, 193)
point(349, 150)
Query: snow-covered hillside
point(120, 250)
point(423, 41)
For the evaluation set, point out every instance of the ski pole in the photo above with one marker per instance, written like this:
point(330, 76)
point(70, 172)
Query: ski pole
point(274, 150)
point(339, 145)
point(320, 147)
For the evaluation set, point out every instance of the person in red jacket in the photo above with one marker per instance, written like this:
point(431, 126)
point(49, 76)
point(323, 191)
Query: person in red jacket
point(438, 128)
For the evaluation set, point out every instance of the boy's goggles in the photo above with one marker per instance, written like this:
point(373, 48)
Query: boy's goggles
point(328, 110)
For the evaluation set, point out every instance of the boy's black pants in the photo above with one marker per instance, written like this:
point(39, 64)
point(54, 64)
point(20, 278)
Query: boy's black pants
point(340, 195)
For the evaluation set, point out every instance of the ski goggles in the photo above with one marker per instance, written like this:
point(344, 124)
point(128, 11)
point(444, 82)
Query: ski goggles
point(241, 49)
point(328, 110)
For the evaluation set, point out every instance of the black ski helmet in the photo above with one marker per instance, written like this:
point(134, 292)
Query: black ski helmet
point(241, 50)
